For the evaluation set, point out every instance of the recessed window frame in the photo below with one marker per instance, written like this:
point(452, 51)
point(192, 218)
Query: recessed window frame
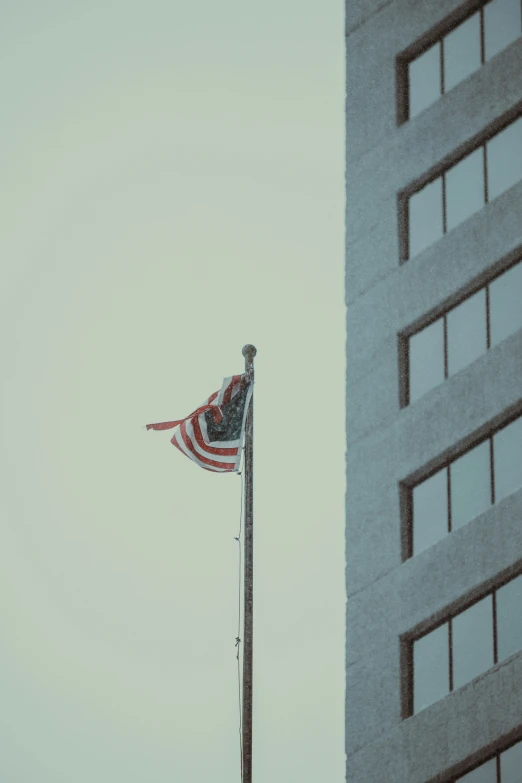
point(407, 641)
point(436, 35)
point(478, 141)
point(406, 487)
point(482, 282)
point(495, 753)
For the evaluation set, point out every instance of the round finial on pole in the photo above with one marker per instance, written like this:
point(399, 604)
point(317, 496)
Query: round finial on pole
point(249, 351)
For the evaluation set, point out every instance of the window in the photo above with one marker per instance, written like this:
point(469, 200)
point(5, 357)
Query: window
point(509, 601)
point(505, 296)
point(431, 666)
point(426, 355)
point(502, 25)
point(511, 764)
point(467, 332)
point(430, 511)
point(462, 52)
point(463, 189)
point(463, 333)
point(470, 485)
point(426, 216)
point(453, 57)
point(502, 768)
point(464, 488)
point(507, 461)
point(504, 159)
point(467, 645)
point(472, 642)
point(425, 79)
point(486, 773)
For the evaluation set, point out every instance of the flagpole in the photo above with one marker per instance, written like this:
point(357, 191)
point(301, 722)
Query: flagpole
point(249, 351)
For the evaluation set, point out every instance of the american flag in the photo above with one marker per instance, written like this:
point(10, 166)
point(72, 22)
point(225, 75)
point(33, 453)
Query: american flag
point(212, 435)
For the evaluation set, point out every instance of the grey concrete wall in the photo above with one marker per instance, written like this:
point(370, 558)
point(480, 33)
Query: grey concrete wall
point(443, 739)
point(421, 437)
point(376, 32)
point(409, 151)
point(457, 569)
point(386, 598)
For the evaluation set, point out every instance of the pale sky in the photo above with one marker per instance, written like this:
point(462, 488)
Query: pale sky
point(172, 188)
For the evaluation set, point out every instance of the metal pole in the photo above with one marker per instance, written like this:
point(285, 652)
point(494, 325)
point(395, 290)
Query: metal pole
point(249, 351)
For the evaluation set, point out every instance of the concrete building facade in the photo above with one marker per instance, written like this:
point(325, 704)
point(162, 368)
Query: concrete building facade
point(434, 391)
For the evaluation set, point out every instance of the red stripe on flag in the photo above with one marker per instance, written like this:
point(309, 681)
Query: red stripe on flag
point(190, 446)
point(225, 452)
point(211, 470)
point(228, 393)
point(169, 425)
point(176, 444)
point(164, 425)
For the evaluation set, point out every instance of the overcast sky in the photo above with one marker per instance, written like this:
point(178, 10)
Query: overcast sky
point(172, 188)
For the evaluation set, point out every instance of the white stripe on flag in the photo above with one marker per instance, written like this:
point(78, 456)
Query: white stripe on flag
point(203, 452)
point(218, 444)
point(180, 444)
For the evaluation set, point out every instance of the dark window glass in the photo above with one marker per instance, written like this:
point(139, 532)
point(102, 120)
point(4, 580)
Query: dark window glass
point(426, 349)
point(507, 451)
point(465, 188)
point(470, 485)
point(486, 773)
point(511, 764)
point(467, 332)
point(505, 159)
point(430, 511)
point(424, 80)
point(502, 25)
point(462, 51)
point(509, 619)
point(472, 637)
point(430, 668)
point(505, 301)
point(425, 219)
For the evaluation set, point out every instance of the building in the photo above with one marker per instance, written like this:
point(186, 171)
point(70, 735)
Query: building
point(434, 391)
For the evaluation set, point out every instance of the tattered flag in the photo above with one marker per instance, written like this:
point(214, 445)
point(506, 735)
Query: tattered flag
point(212, 435)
